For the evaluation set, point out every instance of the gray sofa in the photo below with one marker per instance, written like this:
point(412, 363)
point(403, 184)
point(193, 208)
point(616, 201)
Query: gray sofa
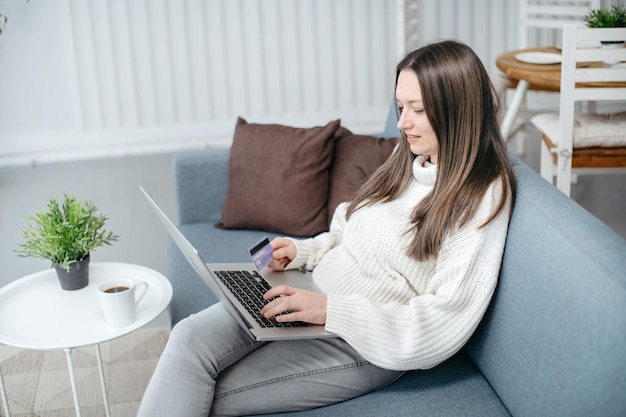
point(553, 342)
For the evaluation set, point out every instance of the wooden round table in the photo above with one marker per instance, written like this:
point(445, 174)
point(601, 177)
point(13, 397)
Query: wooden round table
point(542, 77)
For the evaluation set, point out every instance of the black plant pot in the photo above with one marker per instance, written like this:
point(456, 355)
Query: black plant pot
point(77, 277)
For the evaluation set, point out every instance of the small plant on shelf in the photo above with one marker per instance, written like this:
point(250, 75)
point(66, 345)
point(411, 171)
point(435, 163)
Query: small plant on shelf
point(615, 17)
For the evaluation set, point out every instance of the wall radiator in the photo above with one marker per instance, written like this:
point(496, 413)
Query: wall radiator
point(187, 69)
point(163, 75)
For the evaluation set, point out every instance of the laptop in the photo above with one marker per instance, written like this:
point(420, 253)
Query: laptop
point(237, 284)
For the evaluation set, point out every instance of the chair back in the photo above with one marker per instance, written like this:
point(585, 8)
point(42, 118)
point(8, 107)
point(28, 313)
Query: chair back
point(583, 69)
point(540, 22)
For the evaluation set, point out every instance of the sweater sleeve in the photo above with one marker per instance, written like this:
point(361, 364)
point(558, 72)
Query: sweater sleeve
point(435, 324)
point(309, 252)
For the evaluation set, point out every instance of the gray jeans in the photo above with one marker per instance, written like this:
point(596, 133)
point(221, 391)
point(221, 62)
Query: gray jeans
point(210, 366)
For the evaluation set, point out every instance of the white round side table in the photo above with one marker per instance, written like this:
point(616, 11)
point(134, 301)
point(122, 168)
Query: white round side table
point(36, 313)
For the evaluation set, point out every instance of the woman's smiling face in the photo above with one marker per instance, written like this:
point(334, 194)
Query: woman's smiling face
point(413, 120)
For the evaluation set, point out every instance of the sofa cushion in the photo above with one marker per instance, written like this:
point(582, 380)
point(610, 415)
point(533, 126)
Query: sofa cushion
point(606, 130)
point(552, 342)
point(454, 388)
point(356, 157)
point(201, 184)
point(278, 178)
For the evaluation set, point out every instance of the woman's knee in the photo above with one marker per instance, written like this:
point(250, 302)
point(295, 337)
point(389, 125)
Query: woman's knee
point(184, 332)
point(191, 330)
point(210, 332)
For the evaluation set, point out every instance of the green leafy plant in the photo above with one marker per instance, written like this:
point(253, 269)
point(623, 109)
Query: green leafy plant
point(615, 17)
point(65, 233)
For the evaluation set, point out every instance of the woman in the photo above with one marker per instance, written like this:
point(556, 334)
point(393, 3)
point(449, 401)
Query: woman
point(408, 267)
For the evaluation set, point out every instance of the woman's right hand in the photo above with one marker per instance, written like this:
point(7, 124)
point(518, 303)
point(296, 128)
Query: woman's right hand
point(284, 252)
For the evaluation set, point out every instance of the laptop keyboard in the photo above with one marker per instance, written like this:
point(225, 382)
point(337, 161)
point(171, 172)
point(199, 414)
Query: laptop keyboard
point(248, 287)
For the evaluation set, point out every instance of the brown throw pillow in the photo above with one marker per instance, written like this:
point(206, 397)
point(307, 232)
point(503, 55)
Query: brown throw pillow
point(278, 178)
point(356, 157)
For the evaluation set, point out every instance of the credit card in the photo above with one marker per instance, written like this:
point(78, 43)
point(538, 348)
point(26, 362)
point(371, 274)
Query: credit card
point(261, 253)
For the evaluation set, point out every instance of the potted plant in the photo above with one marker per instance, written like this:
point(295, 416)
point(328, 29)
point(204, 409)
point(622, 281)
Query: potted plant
point(615, 17)
point(66, 235)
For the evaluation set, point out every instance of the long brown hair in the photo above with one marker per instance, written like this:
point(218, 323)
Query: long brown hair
point(461, 105)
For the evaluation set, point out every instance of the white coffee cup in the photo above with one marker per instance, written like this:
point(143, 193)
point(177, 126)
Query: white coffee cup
point(119, 298)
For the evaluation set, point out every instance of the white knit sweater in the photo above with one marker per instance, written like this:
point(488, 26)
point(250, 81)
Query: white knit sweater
point(399, 313)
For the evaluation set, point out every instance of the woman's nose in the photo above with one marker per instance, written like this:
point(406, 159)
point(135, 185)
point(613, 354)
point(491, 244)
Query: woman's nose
point(402, 121)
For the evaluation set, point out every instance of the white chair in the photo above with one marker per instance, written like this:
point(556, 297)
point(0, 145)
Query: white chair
point(589, 142)
point(540, 24)
point(534, 16)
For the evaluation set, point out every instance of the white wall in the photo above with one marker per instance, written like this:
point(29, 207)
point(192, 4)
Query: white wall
point(34, 82)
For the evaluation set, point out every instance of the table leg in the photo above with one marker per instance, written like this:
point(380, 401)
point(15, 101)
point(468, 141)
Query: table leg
point(513, 109)
point(5, 399)
point(70, 366)
point(102, 382)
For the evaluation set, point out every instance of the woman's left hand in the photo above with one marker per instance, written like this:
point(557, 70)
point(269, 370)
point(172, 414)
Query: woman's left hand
point(302, 305)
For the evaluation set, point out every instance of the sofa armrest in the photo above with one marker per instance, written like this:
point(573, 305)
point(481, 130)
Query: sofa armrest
point(201, 184)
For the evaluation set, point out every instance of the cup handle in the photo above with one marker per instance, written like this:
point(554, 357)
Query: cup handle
point(137, 288)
